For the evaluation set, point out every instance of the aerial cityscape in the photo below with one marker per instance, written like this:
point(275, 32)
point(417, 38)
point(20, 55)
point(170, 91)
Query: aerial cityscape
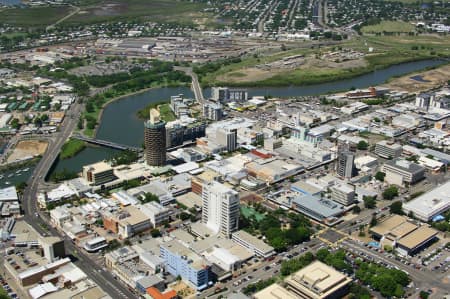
point(242, 149)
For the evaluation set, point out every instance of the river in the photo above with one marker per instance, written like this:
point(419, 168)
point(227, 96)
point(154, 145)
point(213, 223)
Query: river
point(120, 124)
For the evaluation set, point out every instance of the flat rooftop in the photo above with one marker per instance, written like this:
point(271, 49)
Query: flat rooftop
point(431, 203)
point(325, 279)
point(418, 237)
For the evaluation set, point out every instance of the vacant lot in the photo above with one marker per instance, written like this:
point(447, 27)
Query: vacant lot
point(28, 148)
point(389, 26)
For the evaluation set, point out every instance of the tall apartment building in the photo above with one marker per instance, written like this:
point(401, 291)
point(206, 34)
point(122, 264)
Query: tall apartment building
point(155, 140)
point(225, 94)
point(388, 149)
point(98, 173)
point(220, 208)
point(346, 164)
point(212, 110)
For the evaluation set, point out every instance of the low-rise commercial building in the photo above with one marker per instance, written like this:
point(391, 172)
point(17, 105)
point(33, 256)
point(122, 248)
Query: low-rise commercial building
point(315, 281)
point(157, 213)
point(319, 209)
point(430, 204)
point(253, 244)
point(98, 173)
point(405, 236)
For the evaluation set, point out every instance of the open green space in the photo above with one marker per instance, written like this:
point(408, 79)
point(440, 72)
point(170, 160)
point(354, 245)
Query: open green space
point(248, 212)
point(166, 113)
point(389, 26)
point(33, 16)
point(172, 11)
point(71, 148)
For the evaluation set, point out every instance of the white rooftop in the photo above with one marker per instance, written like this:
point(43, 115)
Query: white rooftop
point(8, 194)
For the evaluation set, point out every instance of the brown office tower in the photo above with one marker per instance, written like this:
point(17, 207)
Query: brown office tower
point(155, 140)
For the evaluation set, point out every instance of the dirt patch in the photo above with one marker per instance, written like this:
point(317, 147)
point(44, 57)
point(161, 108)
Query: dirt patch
point(28, 148)
point(182, 289)
point(418, 82)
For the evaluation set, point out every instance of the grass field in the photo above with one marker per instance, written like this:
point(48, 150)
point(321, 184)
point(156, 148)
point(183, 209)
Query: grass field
point(71, 148)
point(249, 211)
point(166, 113)
point(153, 10)
point(96, 11)
point(389, 26)
point(33, 16)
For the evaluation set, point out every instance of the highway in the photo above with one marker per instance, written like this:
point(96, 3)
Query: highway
point(34, 218)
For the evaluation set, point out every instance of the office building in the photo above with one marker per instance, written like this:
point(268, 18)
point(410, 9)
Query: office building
point(53, 248)
point(212, 110)
point(315, 281)
point(179, 260)
point(401, 171)
point(388, 149)
point(220, 208)
point(228, 139)
point(225, 94)
point(343, 194)
point(98, 173)
point(155, 140)
point(346, 164)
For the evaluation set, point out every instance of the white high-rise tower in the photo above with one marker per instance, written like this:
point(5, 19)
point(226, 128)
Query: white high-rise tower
point(220, 208)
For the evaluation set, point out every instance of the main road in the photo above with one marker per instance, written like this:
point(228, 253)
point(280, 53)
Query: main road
point(33, 217)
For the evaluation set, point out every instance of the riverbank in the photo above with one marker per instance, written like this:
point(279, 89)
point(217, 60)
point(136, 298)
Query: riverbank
point(98, 112)
point(71, 148)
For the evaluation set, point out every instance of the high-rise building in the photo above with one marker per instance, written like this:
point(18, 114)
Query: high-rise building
point(220, 208)
point(155, 140)
point(346, 164)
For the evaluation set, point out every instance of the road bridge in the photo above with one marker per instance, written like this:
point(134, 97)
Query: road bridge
point(106, 143)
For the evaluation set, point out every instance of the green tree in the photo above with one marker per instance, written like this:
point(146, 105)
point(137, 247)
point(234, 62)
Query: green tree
point(362, 145)
point(369, 202)
point(380, 176)
point(373, 221)
point(356, 210)
point(396, 208)
point(390, 193)
point(155, 233)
